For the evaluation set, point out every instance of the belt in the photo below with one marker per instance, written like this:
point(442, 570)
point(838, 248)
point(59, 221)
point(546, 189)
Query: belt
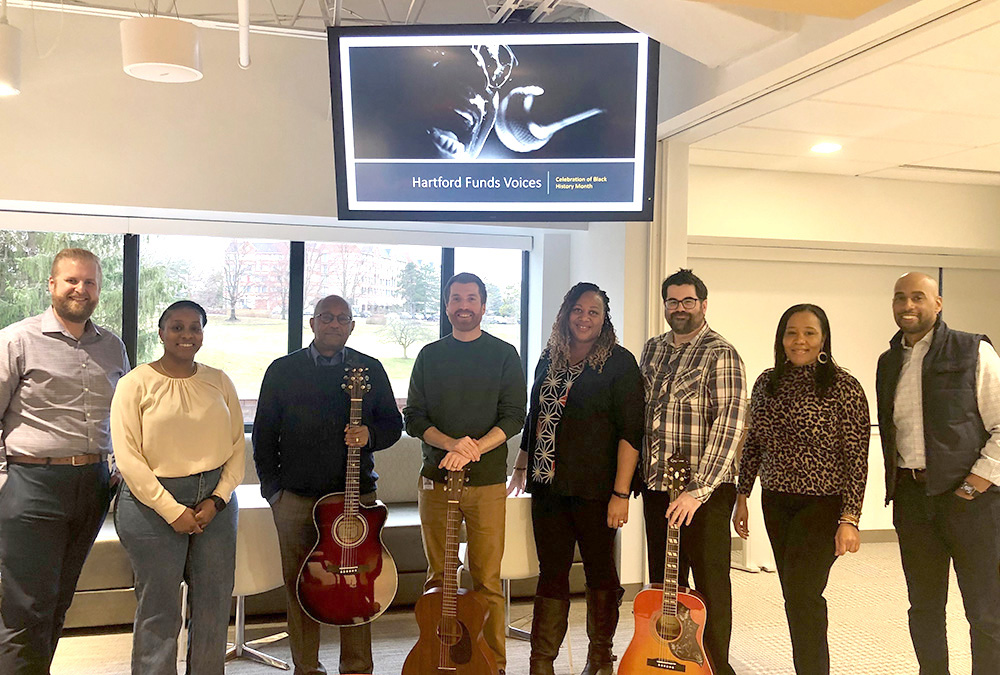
point(75, 460)
point(918, 475)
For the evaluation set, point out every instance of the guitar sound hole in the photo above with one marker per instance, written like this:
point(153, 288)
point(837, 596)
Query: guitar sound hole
point(449, 632)
point(348, 531)
point(668, 628)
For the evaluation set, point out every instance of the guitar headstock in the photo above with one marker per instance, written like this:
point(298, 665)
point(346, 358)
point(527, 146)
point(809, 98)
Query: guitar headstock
point(678, 475)
point(356, 382)
point(456, 481)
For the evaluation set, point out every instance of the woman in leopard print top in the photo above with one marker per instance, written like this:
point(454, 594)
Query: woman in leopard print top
point(808, 442)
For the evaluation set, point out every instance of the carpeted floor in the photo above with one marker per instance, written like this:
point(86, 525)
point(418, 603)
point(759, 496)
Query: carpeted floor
point(868, 630)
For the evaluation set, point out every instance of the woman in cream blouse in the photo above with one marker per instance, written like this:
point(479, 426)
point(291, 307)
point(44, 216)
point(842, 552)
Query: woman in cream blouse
point(177, 430)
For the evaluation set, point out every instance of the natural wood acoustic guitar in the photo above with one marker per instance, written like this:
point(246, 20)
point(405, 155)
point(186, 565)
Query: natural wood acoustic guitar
point(349, 578)
point(451, 619)
point(669, 620)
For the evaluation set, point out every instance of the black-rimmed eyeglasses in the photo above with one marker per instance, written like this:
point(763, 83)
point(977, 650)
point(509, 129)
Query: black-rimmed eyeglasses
point(687, 303)
point(326, 318)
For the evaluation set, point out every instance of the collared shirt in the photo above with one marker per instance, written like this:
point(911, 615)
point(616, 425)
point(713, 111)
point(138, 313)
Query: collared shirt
point(321, 360)
point(696, 400)
point(908, 413)
point(55, 390)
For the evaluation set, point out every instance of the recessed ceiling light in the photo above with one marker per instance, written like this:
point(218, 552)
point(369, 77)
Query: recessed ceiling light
point(826, 148)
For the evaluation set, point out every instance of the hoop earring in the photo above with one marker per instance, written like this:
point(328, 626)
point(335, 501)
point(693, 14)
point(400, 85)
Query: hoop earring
point(823, 357)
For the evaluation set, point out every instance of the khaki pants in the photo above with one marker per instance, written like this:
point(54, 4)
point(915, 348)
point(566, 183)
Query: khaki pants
point(484, 510)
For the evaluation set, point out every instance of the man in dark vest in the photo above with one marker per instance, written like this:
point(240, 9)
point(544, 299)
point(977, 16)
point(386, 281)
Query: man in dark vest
point(939, 416)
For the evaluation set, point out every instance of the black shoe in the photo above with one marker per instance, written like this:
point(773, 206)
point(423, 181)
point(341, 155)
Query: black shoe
point(548, 628)
point(602, 620)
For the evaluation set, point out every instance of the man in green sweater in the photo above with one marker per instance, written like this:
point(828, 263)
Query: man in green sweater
point(467, 397)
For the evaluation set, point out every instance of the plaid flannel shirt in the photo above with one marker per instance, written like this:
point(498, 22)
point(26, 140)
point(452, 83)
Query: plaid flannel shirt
point(696, 400)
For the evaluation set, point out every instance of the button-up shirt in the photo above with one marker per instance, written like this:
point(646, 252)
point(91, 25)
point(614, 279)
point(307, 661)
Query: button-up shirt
point(908, 411)
point(55, 390)
point(321, 360)
point(696, 400)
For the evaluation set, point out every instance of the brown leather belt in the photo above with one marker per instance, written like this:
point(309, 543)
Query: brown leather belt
point(75, 460)
point(918, 475)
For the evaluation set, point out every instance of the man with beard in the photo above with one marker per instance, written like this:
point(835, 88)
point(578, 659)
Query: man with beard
point(58, 371)
point(467, 396)
point(695, 408)
point(939, 416)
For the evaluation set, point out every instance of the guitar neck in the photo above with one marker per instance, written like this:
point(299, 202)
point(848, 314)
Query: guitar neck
point(352, 481)
point(449, 601)
point(670, 566)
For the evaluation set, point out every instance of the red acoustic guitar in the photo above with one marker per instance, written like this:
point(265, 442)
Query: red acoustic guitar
point(349, 578)
point(451, 619)
point(669, 620)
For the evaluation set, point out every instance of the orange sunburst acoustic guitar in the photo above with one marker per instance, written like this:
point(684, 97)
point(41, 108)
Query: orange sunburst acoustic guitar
point(451, 619)
point(349, 578)
point(669, 620)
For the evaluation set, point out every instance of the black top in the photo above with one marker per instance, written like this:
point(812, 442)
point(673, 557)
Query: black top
point(601, 409)
point(298, 433)
point(466, 389)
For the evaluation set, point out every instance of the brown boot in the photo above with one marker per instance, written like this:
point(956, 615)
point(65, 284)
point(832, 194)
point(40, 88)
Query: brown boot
point(548, 628)
point(602, 620)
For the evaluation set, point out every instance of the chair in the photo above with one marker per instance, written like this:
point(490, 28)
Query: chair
point(520, 558)
point(258, 568)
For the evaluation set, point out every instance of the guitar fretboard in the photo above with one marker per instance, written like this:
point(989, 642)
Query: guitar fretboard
point(352, 487)
point(670, 570)
point(449, 602)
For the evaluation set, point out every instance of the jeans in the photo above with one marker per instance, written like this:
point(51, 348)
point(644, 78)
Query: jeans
point(803, 531)
point(934, 533)
point(293, 519)
point(705, 551)
point(49, 518)
point(162, 559)
point(559, 524)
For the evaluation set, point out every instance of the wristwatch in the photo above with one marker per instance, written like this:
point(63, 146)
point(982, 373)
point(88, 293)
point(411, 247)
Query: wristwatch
point(220, 503)
point(969, 489)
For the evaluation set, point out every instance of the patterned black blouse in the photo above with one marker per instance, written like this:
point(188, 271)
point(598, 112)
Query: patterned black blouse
point(803, 444)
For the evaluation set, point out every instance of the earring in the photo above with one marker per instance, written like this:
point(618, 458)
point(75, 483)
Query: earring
point(823, 357)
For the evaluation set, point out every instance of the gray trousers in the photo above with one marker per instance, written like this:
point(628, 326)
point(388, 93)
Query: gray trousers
point(49, 518)
point(296, 537)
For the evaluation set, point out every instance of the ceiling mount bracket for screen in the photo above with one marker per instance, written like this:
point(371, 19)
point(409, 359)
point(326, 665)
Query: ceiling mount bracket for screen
point(498, 122)
point(545, 7)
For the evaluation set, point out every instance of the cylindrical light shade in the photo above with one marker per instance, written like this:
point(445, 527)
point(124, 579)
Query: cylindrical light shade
point(10, 60)
point(160, 50)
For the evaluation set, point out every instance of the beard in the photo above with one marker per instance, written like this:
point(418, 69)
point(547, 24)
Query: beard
point(75, 310)
point(684, 324)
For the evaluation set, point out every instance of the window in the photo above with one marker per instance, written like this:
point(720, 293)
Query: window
point(25, 263)
point(500, 270)
point(243, 286)
point(394, 293)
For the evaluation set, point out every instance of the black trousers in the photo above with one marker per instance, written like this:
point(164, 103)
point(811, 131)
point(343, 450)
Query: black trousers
point(559, 524)
point(935, 532)
point(803, 530)
point(706, 551)
point(49, 518)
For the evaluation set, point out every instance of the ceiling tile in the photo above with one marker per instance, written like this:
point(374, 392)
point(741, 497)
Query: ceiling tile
point(961, 177)
point(979, 159)
point(918, 87)
point(749, 160)
point(976, 51)
point(797, 144)
point(865, 121)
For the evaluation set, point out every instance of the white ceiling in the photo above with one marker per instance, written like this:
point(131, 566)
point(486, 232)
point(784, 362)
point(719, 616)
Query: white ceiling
point(931, 116)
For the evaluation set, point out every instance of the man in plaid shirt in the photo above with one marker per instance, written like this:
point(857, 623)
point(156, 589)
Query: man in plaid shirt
point(695, 405)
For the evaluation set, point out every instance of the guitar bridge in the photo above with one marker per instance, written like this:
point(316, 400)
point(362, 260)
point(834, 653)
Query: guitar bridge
point(663, 664)
point(353, 569)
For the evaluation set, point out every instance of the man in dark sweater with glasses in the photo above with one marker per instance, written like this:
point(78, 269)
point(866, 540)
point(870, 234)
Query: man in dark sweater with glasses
point(300, 448)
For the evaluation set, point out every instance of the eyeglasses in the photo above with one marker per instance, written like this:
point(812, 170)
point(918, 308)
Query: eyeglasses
point(687, 303)
point(326, 318)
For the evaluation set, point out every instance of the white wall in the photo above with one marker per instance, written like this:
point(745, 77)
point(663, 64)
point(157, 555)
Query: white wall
point(866, 212)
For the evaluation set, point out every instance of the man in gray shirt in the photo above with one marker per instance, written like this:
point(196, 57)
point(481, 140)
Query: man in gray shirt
point(58, 371)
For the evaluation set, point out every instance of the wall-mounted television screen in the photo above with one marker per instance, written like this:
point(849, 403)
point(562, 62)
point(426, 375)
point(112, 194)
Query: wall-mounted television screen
point(508, 122)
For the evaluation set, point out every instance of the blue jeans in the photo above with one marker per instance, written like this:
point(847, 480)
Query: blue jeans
point(161, 559)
